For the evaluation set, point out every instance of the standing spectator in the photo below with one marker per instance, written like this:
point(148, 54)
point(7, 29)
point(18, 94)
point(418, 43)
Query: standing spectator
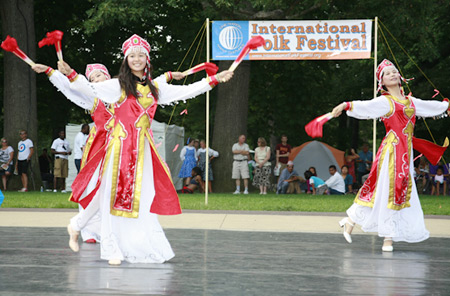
point(196, 144)
point(335, 183)
point(241, 152)
point(189, 157)
point(201, 152)
point(6, 161)
point(45, 168)
point(61, 150)
point(289, 181)
point(318, 186)
point(80, 141)
point(262, 169)
point(348, 179)
point(350, 157)
point(364, 162)
point(26, 150)
point(282, 153)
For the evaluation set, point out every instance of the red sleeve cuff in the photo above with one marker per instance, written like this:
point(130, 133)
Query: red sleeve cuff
point(169, 76)
point(72, 76)
point(348, 106)
point(49, 71)
point(446, 100)
point(212, 80)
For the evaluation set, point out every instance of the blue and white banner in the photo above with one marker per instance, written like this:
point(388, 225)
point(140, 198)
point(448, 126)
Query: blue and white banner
point(294, 40)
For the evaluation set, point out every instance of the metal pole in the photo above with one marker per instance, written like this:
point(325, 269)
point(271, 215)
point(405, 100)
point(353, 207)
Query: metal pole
point(207, 119)
point(375, 84)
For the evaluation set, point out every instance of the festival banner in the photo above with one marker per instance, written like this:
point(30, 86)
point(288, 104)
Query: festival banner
point(294, 40)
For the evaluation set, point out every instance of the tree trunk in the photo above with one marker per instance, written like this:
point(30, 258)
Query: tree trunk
point(230, 122)
point(20, 110)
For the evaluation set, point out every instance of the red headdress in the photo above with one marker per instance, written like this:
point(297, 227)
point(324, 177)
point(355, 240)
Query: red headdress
point(380, 71)
point(90, 68)
point(138, 44)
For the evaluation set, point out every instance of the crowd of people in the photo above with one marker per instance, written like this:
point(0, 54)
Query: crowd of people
point(193, 169)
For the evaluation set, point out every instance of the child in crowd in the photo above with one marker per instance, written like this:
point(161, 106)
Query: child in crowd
point(318, 186)
point(438, 181)
point(195, 182)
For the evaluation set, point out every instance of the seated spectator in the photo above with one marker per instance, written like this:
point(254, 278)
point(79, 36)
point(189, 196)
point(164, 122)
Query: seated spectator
point(318, 186)
point(195, 182)
point(439, 181)
point(308, 186)
point(335, 183)
point(422, 175)
point(6, 161)
point(289, 181)
point(348, 179)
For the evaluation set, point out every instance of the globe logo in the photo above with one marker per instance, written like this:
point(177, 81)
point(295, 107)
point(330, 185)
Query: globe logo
point(230, 37)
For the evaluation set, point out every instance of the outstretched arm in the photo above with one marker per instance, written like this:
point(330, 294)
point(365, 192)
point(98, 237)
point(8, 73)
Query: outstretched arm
point(62, 83)
point(370, 109)
point(430, 108)
point(172, 93)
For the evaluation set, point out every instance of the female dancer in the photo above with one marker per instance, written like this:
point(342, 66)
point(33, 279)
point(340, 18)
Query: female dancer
point(388, 202)
point(128, 204)
point(97, 136)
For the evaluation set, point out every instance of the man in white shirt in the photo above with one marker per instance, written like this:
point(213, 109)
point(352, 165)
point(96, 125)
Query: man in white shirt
point(335, 183)
point(61, 150)
point(80, 141)
point(240, 164)
point(26, 150)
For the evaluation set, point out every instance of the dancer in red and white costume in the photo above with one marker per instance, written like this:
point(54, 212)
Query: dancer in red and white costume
point(97, 136)
point(388, 202)
point(135, 184)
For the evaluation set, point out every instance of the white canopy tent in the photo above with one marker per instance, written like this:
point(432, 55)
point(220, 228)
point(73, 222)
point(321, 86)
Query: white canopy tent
point(168, 135)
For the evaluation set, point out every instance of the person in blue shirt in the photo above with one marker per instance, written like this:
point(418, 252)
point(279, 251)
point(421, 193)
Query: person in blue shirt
point(348, 179)
point(364, 162)
point(317, 185)
point(289, 181)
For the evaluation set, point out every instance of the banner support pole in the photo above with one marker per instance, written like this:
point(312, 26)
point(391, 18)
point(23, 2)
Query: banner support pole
point(207, 119)
point(375, 84)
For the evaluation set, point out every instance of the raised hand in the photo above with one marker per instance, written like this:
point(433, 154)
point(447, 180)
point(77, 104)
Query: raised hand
point(178, 75)
point(64, 68)
point(39, 68)
point(224, 76)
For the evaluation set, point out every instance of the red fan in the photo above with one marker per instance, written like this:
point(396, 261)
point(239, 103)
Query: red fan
point(253, 43)
point(53, 38)
point(314, 128)
point(210, 68)
point(432, 152)
point(10, 44)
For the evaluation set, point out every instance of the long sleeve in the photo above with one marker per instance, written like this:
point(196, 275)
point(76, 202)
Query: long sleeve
point(183, 153)
point(108, 91)
point(62, 83)
point(212, 152)
point(429, 108)
point(169, 93)
point(369, 109)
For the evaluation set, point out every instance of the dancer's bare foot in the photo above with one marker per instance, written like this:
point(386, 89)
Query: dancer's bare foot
point(73, 240)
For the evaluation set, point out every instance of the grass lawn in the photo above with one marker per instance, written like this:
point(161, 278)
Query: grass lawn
point(432, 205)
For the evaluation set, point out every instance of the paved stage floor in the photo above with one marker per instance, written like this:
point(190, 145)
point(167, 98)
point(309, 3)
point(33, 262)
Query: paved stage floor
point(37, 261)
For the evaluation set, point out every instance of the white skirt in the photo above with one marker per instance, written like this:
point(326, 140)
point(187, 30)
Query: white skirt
point(136, 240)
point(404, 225)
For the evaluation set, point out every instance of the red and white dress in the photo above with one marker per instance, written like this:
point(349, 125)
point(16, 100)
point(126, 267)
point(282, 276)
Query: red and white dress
point(134, 182)
point(388, 202)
